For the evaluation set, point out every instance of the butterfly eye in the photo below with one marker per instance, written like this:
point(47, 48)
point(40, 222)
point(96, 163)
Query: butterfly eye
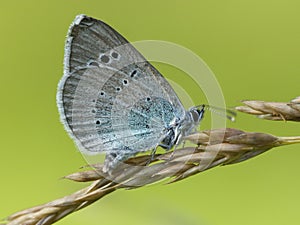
point(197, 114)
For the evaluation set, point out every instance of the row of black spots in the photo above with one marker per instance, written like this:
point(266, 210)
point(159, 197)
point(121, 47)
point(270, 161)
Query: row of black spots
point(93, 110)
point(110, 89)
point(102, 57)
point(106, 59)
point(115, 87)
point(132, 71)
point(119, 80)
point(115, 84)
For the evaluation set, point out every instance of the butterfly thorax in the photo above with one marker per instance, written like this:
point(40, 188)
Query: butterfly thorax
point(181, 128)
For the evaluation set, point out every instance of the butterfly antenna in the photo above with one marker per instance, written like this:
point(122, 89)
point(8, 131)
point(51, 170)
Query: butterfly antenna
point(228, 113)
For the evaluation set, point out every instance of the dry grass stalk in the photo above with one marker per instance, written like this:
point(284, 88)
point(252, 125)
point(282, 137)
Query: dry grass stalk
point(213, 148)
point(273, 110)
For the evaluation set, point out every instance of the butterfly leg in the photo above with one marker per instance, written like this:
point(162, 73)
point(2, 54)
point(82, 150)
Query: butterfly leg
point(153, 152)
point(178, 142)
point(152, 156)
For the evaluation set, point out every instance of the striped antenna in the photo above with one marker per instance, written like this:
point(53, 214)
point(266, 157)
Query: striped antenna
point(228, 113)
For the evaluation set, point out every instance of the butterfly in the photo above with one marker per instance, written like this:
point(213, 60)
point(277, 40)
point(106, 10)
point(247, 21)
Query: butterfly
point(112, 100)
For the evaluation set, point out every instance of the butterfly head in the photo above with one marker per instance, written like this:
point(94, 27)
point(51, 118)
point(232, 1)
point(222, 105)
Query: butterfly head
point(197, 113)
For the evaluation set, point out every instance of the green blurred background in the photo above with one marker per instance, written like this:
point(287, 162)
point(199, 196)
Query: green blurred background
point(253, 47)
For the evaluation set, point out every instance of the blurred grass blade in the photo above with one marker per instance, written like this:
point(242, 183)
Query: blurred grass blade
point(212, 148)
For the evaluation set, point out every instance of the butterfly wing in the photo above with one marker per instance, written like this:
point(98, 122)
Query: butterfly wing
point(110, 98)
